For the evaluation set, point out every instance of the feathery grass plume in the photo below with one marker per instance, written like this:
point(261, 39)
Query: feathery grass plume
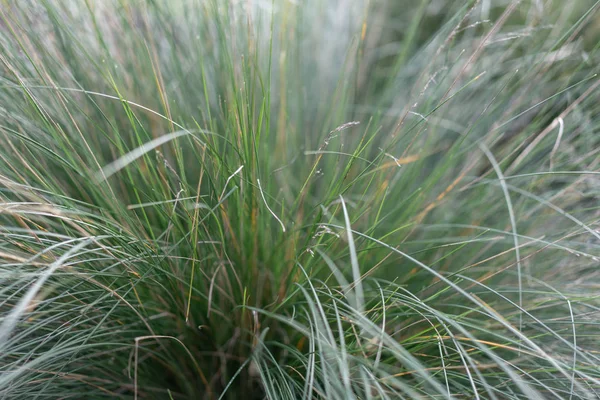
point(374, 199)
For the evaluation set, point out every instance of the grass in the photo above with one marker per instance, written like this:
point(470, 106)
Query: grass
point(317, 199)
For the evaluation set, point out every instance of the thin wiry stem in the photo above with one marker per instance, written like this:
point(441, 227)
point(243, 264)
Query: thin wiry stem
point(269, 208)
point(513, 223)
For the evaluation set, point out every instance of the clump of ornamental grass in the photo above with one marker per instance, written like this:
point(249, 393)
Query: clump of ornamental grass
point(299, 199)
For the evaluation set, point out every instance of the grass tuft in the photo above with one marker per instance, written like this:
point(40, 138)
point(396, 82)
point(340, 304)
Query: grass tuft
point(282, 199)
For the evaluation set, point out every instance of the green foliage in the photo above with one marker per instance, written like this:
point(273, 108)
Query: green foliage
point(299, 199)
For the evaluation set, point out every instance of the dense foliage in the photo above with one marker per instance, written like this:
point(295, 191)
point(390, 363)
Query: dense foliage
point(204, 199)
